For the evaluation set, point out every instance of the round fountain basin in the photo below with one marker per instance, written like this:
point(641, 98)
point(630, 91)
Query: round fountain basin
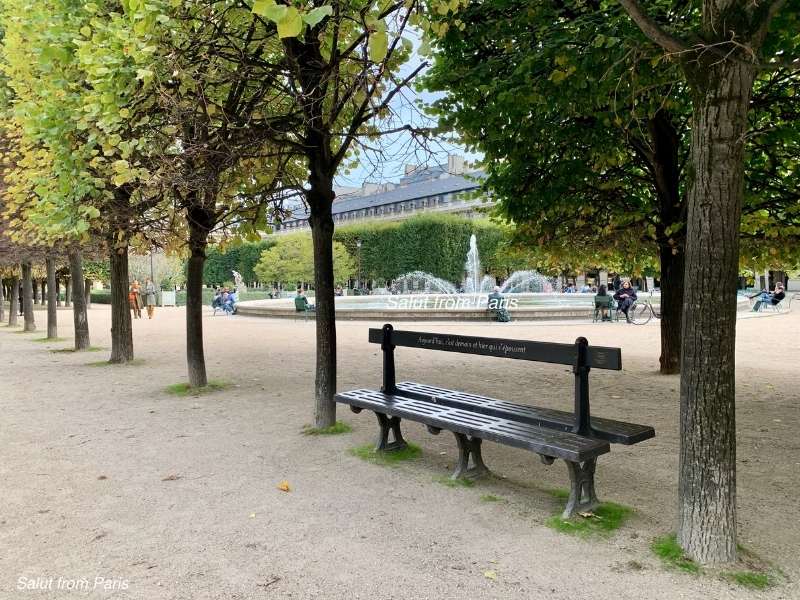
point(439, 307)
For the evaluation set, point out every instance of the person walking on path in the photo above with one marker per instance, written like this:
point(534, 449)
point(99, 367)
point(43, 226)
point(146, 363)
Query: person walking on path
point(135, 299)
point(150, 297)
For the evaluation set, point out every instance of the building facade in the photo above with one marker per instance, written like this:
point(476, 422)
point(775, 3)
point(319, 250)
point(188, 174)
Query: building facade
point(439, 189)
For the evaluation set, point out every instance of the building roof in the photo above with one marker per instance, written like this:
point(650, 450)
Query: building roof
point(419, 189)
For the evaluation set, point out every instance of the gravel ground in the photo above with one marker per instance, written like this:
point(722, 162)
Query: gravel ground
point(104, 475)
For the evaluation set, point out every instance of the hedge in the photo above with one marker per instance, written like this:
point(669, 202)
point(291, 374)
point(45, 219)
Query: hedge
point(437, 244)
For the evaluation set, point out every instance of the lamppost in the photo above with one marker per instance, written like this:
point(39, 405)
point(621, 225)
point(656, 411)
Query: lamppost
point(358, 280)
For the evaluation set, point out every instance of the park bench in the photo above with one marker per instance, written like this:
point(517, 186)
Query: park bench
point(575, 437)
point(607, 303)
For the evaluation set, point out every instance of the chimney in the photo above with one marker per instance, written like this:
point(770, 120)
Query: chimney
point(455, 164)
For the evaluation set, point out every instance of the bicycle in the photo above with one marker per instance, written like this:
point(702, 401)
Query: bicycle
point(642, 311)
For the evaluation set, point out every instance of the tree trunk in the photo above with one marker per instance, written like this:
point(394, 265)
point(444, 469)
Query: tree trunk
point(2, 300)
point(27, 298)
point(58, 291)
point(34, 291)
point(43, 292)
point(13, 300)
point(68, 289)
point(707, 482)
point(121, 329)
point(672, 286)
point(195, 355)
point(52, 293)
point(87, 284)
point(80, 318)
point(321, 222)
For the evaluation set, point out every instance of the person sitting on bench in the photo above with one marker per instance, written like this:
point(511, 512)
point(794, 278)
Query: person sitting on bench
point(625, 298)
point(497, 306)
point(774, 298)
point(301, 302)
point(603, 303)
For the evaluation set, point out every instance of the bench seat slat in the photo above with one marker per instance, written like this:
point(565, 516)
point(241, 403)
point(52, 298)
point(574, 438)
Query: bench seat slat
point(542, 440)
point(618, 432)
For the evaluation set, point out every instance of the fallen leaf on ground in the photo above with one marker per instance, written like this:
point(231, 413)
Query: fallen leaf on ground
point(284, 486)
point(172, 477)
point(490, 575)
point(588, 515)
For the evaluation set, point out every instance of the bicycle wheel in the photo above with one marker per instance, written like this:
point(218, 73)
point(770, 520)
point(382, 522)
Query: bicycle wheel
point(640, 313)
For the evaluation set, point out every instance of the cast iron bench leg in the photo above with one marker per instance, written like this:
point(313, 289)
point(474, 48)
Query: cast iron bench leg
point(386, 423)
point(469, 447)
point(582, 497)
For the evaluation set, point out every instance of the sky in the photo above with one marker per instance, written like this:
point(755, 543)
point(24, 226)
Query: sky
point(398, 150)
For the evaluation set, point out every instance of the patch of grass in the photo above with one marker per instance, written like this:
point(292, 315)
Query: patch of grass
point(454, 483)
point(559, 494)
point(45, 339)
point(606, 518)
point(23, 331)
point(67, 350)
point(671, 554)
point(750, 579)
point(381, 457)
point(335, 429)
point(491, 498)
point(184, 389)
point(104, 363)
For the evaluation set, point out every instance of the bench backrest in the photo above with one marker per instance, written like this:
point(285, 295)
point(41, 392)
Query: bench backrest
point(579, 355)
point(598, 357)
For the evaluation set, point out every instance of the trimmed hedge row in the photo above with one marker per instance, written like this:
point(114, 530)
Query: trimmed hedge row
point(437, 244)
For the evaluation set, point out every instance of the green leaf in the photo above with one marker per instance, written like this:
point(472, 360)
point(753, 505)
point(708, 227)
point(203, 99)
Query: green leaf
point(269, 9)
point(260, 7)
point(313, 17)
point(291, 25)
point(378, 46)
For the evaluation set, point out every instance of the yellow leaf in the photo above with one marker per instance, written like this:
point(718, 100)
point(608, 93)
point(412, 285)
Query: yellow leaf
point(291, 24)
point(284, 486)
point(490, 575)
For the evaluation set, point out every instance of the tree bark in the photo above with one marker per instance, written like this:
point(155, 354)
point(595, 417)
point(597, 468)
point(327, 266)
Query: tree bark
point(321, 222)
point(195, 355)
point(2, 300)
point(121, 329)
point(672, 288)
point(52, 297)
point(27, 298)
point(68, 289)
point(707, 481)
point(13, 300)
point(34, 291)
point(80, 317)
point(662, 155)
point(87, 284)
point(58, 291)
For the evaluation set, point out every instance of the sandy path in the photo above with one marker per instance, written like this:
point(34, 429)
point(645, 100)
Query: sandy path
point(84, 452)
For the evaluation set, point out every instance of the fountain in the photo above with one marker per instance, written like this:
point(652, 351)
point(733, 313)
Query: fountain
point(475, 281)
point(419, 282)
